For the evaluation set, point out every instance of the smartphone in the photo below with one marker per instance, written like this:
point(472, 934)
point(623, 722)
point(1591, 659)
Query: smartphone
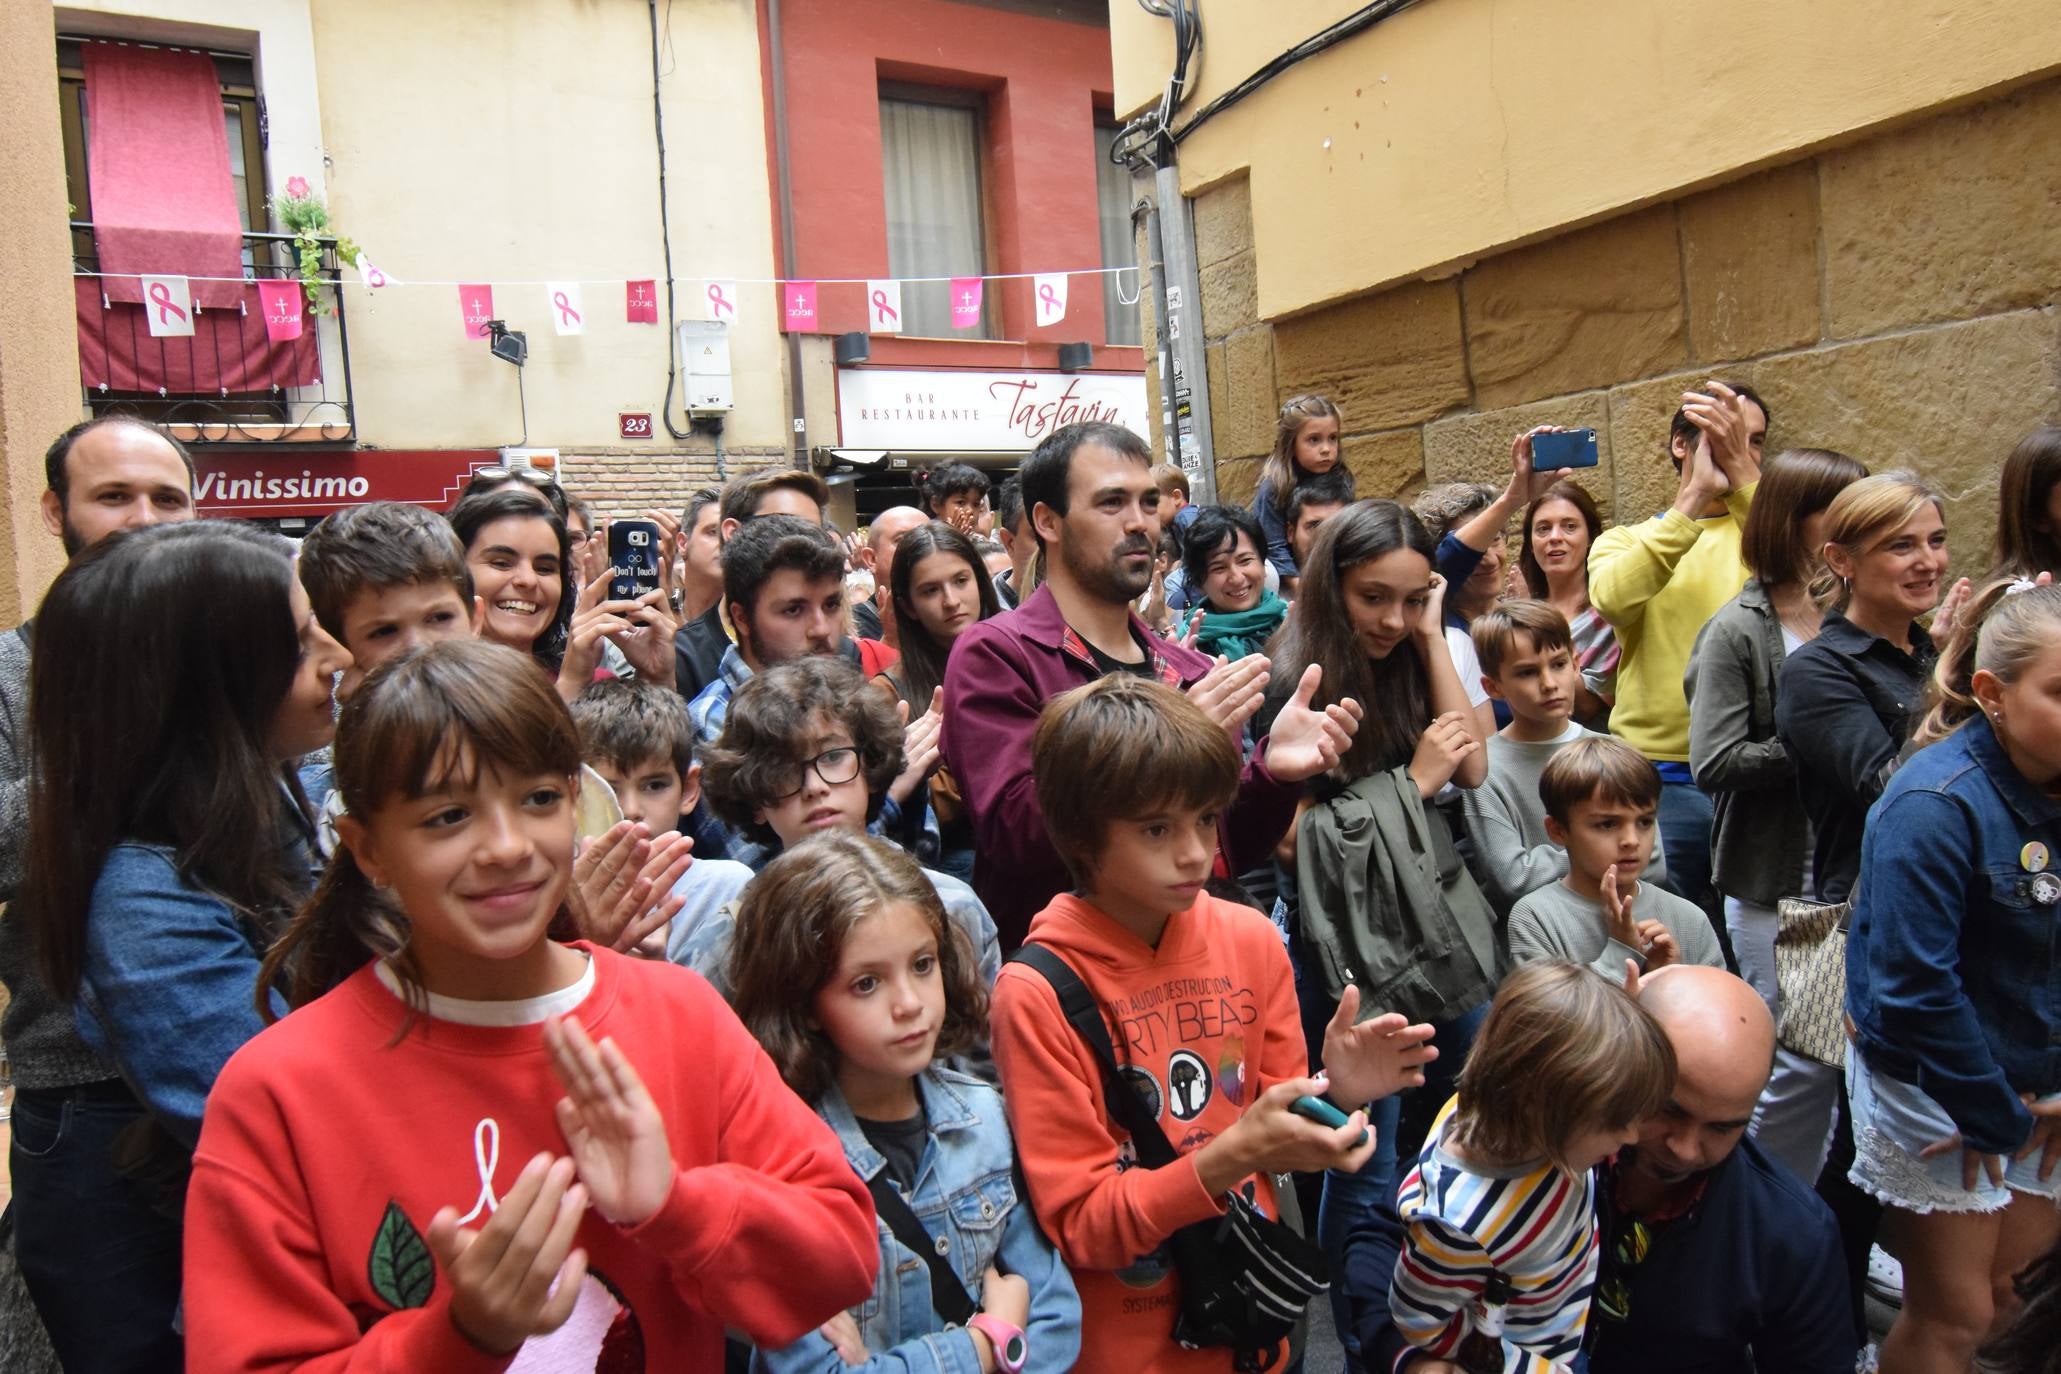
point(1573, 448)
point(634, 548)
point(1324, 1114)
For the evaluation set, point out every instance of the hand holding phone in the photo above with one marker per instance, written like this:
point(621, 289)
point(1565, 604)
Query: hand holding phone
point(1324, 1114)
point(1567, 448)
point(634, 550)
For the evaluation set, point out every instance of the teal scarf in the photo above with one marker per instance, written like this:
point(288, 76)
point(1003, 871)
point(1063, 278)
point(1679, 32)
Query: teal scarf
point(1234, 634)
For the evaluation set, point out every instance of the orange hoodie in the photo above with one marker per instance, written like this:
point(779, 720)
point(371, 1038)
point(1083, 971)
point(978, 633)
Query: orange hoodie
point(1204, 1024)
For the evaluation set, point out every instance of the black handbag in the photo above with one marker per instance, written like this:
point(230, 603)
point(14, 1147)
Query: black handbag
point(1245, 1277)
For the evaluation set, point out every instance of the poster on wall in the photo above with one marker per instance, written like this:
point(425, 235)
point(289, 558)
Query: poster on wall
point(980, 411)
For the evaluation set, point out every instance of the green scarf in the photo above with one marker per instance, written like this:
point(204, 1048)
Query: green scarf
point(1234, 634)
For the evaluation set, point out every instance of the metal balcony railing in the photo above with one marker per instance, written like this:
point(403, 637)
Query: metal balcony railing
point(227, 383)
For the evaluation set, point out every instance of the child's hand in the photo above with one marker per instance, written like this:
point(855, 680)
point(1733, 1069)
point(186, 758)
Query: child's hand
point(626, 884)
point(1441, 749)
point(1006, 1296)
point(843, 1334)
point(1659, 944)
point(610, 1123)
point(921, 739)
point(502, 1275)
point(1617, 911)
point(1270, 1138)
point(1431, 621)
point(1379, 1056)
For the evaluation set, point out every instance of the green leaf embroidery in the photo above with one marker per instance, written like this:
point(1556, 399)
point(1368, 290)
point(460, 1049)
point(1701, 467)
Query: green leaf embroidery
point(401, 1269)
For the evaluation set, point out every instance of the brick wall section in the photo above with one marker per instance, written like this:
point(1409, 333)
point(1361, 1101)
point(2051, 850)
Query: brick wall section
point(625, 482)
point(1898, 299)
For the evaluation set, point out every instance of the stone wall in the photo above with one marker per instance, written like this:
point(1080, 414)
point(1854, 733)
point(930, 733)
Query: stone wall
point(623, 483)
point(1895, 299)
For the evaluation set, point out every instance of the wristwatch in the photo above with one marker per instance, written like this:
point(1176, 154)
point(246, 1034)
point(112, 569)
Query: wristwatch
point(1011, 1349)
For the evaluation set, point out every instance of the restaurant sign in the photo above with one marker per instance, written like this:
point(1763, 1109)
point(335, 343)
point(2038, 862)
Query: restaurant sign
point(888, 408)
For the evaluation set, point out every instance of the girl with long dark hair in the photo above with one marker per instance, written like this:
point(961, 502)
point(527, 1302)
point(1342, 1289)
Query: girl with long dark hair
point(179, 674)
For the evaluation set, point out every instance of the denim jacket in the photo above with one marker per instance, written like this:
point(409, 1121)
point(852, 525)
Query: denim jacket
point(1952, 975)
point(965, 1196)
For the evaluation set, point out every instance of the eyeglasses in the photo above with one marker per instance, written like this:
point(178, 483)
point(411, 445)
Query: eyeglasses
point(1625, 1253)
point(835, 766)
point(546, 485)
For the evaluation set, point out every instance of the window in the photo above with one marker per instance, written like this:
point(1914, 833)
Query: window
point(930, 167)
point(242, 117)
point(1119, 243)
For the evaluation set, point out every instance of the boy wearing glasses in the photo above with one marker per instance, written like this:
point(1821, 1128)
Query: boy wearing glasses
point(808, 747)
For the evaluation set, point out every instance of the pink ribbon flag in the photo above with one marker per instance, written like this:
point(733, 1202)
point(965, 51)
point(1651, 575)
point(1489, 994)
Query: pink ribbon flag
point(1049, 289)
point(475, 307)
point(568, 314)
point(282, 302)
point(168, 306)
point(640, 301)
point(883, 307)
point(966, 302)
point(798, 307)
point(722, 301)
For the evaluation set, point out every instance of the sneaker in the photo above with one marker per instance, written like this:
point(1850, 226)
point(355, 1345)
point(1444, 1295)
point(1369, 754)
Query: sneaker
point(1885, 1278)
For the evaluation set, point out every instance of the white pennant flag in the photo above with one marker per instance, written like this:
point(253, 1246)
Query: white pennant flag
point(1048, 289)
point(372, 276)
point(883, 307)
point(721, 298)
point(568, 313)
point(168, 304)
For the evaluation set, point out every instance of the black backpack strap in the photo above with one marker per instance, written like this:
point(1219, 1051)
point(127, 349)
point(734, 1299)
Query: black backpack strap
point(1078, 1005)
point(947, 1294)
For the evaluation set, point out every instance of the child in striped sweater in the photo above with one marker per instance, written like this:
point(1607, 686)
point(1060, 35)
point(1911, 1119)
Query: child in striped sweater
point(1559, 1077)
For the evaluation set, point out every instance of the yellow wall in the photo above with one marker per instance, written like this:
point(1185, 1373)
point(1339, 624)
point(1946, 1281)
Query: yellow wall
point(1460, 127)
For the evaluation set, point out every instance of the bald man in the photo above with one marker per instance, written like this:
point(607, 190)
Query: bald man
point(876, 620)
point(1741, 1266)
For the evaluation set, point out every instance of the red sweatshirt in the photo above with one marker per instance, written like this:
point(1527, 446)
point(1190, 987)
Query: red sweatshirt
point(1205, 1023)
point(327, 1150)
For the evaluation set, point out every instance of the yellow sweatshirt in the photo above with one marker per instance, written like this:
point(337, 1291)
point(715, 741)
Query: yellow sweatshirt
point(1657, 582)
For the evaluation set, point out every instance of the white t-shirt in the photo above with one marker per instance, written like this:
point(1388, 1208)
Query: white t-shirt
point(1467, 664)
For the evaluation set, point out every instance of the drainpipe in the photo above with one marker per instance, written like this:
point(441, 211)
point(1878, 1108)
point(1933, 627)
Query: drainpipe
point(798, 419)
point(1178, 279)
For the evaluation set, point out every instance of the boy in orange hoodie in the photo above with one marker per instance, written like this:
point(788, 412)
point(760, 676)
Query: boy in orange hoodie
point(1199, 998)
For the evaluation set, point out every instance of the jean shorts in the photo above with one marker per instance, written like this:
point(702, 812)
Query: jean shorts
point(1893, 1121)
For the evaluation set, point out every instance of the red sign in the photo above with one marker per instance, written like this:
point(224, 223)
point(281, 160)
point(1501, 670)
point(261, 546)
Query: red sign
point(640, 301)
point(634, 424)
point(244, 485)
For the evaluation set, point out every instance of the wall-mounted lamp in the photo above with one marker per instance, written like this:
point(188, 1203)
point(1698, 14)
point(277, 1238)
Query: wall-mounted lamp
point(509, 345)
point(1076, 357)
point(852, 348)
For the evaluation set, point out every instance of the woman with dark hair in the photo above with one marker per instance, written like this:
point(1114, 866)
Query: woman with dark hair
point(1559, 529)
point(941, 588)
point(521, 559)
point(1761, 840)
point(1224, 563)
point(2029, 507)
point(179, 674)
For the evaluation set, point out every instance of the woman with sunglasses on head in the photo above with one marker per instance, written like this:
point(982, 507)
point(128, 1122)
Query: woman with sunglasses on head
point(520, 556)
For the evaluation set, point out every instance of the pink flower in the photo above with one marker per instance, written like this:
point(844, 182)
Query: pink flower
point(297, 186)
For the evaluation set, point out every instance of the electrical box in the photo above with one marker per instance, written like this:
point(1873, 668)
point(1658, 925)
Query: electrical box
point(705, 365)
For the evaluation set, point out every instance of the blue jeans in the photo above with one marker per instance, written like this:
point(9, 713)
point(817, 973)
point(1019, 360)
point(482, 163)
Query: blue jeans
point(1686, 816)
point(1360, 1207)
point(101, 1263)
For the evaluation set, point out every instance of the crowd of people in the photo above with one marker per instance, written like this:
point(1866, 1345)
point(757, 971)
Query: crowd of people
point(1059, 925)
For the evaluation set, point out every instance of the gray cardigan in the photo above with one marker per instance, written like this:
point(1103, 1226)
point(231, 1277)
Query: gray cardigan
point(1760, 837)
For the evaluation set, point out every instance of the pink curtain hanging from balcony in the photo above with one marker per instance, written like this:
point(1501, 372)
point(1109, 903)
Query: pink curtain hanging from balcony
point(229, 350)
point(157, 158)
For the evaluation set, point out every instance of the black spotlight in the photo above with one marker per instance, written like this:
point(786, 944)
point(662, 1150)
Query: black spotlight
point(852, 348)
point(1076, 357)
point(509, 345)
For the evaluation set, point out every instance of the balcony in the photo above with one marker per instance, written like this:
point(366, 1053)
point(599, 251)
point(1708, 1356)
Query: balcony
point(227, 383)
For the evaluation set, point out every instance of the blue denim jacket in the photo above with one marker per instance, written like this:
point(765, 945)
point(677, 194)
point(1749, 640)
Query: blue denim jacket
point(1952, 975)
point(966, 1195)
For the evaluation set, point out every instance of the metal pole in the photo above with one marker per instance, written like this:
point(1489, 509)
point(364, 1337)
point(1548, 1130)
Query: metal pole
point(1181, 290)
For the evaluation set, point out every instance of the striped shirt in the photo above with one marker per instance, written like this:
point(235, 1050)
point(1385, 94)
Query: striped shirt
point(1538, 1228)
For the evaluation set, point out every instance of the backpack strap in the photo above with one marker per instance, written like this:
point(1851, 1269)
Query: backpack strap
point(1078, 1005)
point(948, 1296)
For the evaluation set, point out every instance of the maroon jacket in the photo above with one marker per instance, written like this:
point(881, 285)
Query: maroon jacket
point(1000, 675)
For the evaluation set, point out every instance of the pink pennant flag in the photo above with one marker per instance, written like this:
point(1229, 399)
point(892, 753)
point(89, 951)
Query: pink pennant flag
point(282, 302)
point(476, 307)
point(798, 306)
point(966, 302)
point(722, 301)
point(640, 301)
point(168, 307)
point(883, 307)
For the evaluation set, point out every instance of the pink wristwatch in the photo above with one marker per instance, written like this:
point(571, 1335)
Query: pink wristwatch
point(1011, 1349)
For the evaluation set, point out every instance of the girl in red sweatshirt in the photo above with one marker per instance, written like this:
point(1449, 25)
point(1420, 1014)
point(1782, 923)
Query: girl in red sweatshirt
point(484, 1149)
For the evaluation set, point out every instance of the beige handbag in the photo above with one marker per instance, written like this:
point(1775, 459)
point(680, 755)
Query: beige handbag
point(1810, 969)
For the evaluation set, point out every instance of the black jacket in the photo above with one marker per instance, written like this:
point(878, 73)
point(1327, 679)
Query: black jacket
point(698, 651)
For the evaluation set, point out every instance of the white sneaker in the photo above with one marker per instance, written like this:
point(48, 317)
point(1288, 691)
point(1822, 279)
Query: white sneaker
point(1885, 1278)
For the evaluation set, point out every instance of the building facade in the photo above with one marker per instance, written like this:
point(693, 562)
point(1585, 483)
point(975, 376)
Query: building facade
point(1469, 218)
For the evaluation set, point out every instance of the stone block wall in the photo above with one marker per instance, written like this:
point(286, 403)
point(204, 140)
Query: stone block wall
point(1898, 299)
point(623, 483)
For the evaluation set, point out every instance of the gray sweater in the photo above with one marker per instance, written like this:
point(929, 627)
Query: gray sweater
point(42, 1040)
point(1507, 822)
point(1557, 923)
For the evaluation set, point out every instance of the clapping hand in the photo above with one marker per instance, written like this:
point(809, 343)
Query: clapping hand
point(1305, 741)
point(1376, 1057)
point(611, 1126)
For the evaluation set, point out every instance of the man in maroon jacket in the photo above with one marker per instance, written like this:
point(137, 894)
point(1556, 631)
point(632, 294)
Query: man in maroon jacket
point(1093, 508)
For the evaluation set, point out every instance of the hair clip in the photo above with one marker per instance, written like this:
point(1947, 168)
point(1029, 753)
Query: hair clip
point(2023, 584)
